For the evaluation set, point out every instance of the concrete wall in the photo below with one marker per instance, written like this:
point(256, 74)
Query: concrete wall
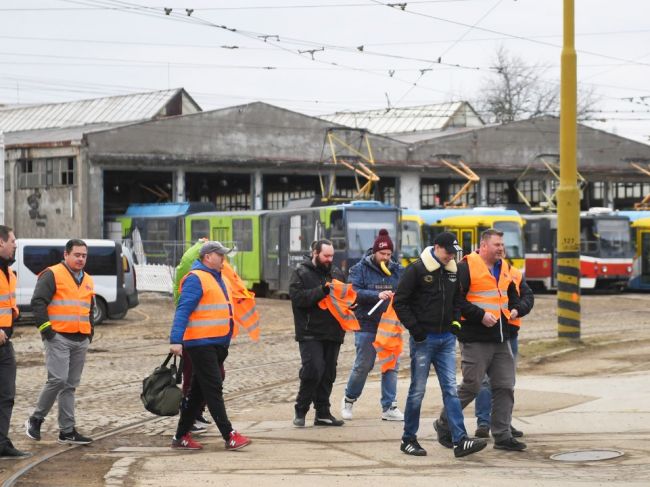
point(54, 212)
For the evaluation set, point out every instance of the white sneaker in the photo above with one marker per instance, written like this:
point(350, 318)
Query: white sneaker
point(346, 408)
point(392, 414)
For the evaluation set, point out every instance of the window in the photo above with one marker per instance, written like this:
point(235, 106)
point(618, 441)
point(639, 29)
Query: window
point(532, 189)
point(242, 234)
point(102, 261)
point(277, 199)
point(41, 173)
point(468, 199)
point(429, 195)
point(233, 201)
point(497, 192)
point(199, 229)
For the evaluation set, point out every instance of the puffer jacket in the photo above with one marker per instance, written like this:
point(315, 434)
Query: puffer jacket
point(368, 280)
point(306, 289)
point(424, 301)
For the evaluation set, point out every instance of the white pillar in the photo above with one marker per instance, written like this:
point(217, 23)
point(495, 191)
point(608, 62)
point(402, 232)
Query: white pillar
point(609, 194)
point(179, 183)
point(409, 191)
point(482, 192)
point(2, 178)
point(257, 190)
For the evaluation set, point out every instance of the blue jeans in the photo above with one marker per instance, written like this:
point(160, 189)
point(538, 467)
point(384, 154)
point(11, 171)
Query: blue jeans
point(438, 349)
point(483, 404)
point(363, 364)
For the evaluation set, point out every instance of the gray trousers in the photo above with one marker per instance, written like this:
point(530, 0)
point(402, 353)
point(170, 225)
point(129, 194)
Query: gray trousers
point(64, 360)
point(495, 360)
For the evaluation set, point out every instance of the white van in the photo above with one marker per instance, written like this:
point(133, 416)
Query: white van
point(107, 263)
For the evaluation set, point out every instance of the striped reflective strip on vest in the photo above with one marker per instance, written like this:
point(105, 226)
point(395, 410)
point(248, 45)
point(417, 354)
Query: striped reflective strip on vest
point(70, 302)
point(5, 297)
point(389, 334)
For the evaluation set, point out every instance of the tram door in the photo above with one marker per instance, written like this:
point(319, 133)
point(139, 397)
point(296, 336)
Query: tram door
point(276, 254)
point(644, 255)
point(468, 240)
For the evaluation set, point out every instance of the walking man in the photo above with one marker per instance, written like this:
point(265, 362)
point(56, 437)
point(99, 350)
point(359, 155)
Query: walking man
point(487, 300)
point(483, 404)
point(203, 327)
point(318, 333)
point(8, 312)
point(424, 303)
point(63, 310)
point(374, 279)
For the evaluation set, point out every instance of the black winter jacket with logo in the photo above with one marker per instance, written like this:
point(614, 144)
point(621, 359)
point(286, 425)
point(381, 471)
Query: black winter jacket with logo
point(424, 300)
point(306, 290)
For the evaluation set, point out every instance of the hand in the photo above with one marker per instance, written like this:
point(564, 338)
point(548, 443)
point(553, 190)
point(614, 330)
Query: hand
point(489, 319)
point(3, 337)
point(513, 314)
point(384, 295)
point(176, 349)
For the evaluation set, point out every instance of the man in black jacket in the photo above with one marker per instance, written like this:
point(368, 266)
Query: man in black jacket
point(424, 303)
point(487, 300)
point(318, 333)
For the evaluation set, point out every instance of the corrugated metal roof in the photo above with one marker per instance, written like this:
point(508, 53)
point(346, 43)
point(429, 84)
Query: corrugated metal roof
point(56, 135)
point(114, 109)
point(409, 119)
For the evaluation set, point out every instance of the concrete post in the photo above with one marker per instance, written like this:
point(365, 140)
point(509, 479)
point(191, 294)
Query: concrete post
point(257, 190)
point(409, 191)
point(179, 183)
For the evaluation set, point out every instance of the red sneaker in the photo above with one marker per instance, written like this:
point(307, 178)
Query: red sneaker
point(237, 441)
point(186, 443)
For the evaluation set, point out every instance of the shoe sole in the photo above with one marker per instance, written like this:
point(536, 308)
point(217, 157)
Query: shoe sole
point(505, 448)
point(27, 432)
point(469, 452)
point(21, 457)
point(239, 447)
point(414, 454)
point(392, 419)
point(320, 423)
point(71, 442)
point(186, 448)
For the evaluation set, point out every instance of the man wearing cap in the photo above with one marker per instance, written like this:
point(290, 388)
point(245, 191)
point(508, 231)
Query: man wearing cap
point(203, 326)
point(424, 303)
point(487, 299)
point(374, 278)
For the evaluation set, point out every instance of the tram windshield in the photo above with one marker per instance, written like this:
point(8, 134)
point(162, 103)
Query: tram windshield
point(363, 227)
point(411, 244)
point(614, 237)
point(512, 239)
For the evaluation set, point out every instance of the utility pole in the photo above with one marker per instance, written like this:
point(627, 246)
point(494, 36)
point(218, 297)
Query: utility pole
point(568, 194)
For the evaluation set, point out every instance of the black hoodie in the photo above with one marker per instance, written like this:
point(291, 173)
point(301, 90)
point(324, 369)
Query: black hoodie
point(306, 289)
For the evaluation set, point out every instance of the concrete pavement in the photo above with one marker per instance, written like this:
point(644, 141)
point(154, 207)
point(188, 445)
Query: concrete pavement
point(557, 414)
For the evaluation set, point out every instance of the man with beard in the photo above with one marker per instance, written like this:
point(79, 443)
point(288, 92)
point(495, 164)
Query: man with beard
point(318, 333)
point(8, 312)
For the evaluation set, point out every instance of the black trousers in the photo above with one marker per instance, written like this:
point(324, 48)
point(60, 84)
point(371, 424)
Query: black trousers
point(7, 389)
point(207, 386)
point(317, 375)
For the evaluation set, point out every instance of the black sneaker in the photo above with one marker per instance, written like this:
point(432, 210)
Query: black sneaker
point(511, 444)
point(9, 452)
point(33, 428)
point(444, 435)
point(327, 420)
point(202, 419)
point(483, 431)
point(412, 447)
point(73, 438)
point(299, 420)
point(515, 432)
point(467, 446)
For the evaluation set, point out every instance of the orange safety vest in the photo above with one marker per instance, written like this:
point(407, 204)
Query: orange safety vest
point(7, 299)
point(211, 318)
point(338, 302)
point(482, 290)
point(244, 308)
point(69, 310)
point(516, 278)
point(388, 341)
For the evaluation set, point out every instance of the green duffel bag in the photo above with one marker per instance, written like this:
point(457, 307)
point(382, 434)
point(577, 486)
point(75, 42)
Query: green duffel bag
point(160, 393)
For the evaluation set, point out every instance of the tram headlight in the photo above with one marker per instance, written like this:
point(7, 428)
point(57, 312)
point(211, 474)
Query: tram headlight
point(604, 269)
point(629, 268)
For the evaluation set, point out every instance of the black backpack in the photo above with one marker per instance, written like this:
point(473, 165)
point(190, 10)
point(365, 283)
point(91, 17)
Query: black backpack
point(160, 394)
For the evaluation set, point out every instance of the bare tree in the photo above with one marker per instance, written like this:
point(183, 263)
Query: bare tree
point(519, 91)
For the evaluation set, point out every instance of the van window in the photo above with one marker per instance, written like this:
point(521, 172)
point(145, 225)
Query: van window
point(102, 261)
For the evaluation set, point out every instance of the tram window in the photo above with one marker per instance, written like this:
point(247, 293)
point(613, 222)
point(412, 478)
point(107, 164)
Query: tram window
point(337, 230)
point(410, 239)
point(242, 234)
point(307, 232)
point(614, 236)
point(588, 237)
point(467, 243)
point(511, 238)
point(199, 229)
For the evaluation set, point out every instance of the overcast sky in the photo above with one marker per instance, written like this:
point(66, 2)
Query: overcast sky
point(306, 55)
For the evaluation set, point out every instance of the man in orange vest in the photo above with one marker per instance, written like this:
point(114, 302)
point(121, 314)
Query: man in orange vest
point(483, 403)
point(8, 312)
point(318, 333)
point(63, 303)
point(487, 300)
point(203, 326)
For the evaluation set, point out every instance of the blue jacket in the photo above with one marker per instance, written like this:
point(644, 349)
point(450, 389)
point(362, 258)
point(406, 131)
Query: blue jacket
point(187, 303)
point(368, 280)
